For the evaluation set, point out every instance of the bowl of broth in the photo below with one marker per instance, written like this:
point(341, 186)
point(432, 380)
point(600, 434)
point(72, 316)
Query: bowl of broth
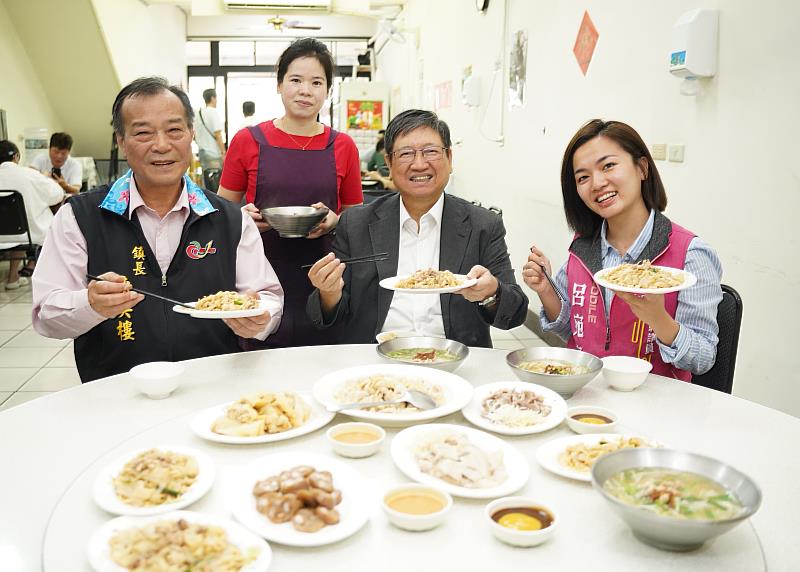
point(416, 507)
point(438, 353)
point(563, 370)
point(587, 419)
point(355, 440)
point(674, 500)
point(520, 521)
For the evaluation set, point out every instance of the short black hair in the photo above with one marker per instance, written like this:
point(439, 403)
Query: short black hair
point(147, 86)
point(413, 119)
point(248, 108)
point(61, 141)
point(209, 94)
point(306, 48)
point(7, 151)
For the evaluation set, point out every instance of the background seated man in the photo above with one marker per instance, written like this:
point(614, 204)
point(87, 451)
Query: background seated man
point(63, 169)
point(161, 231)
point(39, 193)
point(420, 228)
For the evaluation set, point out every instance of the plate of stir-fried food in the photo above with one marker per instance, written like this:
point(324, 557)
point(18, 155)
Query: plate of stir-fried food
point(153, 481)
point(645, 278)
point(223, 304)
point(428, 281)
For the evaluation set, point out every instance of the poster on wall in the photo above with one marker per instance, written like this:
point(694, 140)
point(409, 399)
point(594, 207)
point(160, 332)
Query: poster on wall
point(365, 115)
point(585, 43)
point(517, 68)
point(443, 95)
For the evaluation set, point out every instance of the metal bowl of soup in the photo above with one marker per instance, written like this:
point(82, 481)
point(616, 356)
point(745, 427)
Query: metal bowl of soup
point(294, 222)
point(563, 370)
point(674, 500)
point(438, 353)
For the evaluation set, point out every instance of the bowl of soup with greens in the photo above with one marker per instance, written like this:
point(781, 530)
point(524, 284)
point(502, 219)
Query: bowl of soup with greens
point(438, 353)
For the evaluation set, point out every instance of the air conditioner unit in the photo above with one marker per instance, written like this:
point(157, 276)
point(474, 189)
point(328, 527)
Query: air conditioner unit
point(279, 5)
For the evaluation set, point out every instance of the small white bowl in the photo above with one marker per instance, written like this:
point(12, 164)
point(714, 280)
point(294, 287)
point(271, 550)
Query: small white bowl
point(416, 522)
point(355, 450)
point(157, 379)
point(586, 428)
point(625, 373)
point(524, 538)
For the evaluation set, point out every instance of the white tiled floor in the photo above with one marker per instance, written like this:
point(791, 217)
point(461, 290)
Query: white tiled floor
point(32, 365)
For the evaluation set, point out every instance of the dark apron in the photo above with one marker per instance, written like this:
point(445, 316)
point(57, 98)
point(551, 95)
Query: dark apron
point(286, 178)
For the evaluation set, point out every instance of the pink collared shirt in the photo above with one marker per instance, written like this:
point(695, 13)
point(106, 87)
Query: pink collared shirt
point(60, 296)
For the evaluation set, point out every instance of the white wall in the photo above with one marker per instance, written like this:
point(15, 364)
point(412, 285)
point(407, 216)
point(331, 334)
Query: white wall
point(739, 187)
point(144, 40)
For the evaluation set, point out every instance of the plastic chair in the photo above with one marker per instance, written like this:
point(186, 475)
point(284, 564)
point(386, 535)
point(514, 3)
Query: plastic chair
point(13, 220)
point(729, 318)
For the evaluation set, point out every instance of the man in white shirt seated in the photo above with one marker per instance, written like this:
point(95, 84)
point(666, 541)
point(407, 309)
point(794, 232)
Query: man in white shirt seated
point(39, 193)
point(58, 165)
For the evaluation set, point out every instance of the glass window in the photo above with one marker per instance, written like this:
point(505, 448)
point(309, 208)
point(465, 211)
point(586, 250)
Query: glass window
point(237, 53)
point(267, 53)
point(198, 53)
point(346, 53)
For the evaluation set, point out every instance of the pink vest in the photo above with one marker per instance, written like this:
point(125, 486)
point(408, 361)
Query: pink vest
point(625, 335)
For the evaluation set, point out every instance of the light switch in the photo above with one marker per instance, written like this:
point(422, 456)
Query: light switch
point(676, 153)
point(659, 151)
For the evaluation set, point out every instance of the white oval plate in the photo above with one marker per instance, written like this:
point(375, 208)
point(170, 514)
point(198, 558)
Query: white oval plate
point(547, 454)
point(473, 409)
point(689, 280)
point(201, 424)
point(353, 510)
point(220, 314)
point(99, 551)
point(516, 466)
point(107, 499)
point(389, 284)
point(457, 392)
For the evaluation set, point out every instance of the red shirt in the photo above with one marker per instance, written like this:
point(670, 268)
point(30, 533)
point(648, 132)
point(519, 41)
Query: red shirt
point(241, 162)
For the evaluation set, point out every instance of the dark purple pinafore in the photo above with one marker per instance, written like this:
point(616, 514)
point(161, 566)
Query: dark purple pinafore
point(294, 177)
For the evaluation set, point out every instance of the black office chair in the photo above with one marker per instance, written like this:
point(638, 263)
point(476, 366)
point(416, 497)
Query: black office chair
point(729, 318)
point(13, 220)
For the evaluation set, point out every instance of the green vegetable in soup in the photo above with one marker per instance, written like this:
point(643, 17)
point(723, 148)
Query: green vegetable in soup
point(422, 355)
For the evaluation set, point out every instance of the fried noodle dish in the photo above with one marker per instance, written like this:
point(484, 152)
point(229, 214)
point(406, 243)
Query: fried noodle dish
point(155, 477)
point(581, 457)
point(176, 546)
point(263, 413)
point(429, 278)
point(226, 301)
point(642, 275)
point(380, 387)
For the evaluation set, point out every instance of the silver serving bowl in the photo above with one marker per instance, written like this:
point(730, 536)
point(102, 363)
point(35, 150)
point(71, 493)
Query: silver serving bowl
point(667, 532)
point(294, 222)
point(456, 348)
point(564, 385)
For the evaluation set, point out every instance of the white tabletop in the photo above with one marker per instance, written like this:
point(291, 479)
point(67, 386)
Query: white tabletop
point(53, 447)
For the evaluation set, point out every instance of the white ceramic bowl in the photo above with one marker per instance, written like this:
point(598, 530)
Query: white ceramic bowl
point(157, 379)
point(625, 373)
point(355, 450)
point(524, 538)
point(585, 428)
point(416, 522)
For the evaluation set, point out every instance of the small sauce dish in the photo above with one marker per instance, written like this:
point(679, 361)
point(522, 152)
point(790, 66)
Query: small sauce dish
point(520, 521)
point(157, 379)
point(586, 419)
point(355, 440)
point(416, 507)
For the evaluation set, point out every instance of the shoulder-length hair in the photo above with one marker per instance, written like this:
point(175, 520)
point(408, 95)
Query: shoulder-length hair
point(580, 217)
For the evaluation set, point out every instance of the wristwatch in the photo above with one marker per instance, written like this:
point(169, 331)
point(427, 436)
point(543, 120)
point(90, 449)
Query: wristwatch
point(491, 300)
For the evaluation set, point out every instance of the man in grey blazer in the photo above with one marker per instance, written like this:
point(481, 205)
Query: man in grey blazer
point(420, 227)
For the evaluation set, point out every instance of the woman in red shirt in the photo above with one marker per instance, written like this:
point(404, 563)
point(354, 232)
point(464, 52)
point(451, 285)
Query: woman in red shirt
point(292, 161)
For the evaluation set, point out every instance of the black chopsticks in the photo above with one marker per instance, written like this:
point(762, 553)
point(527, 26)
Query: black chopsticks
point(171, 301)
point(358, 259)
point(553, 284)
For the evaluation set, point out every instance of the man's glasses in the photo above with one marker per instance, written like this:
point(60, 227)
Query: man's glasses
point(407, 155)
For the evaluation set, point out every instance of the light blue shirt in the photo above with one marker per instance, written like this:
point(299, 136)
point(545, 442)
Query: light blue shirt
point(695, 346)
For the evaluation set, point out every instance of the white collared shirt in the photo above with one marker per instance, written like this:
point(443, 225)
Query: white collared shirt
point(419, 250)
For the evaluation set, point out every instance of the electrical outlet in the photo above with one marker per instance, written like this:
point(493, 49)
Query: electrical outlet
point(676, 153)
point(659, 151)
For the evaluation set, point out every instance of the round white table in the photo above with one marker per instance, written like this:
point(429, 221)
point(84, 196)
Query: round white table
point(53, 447)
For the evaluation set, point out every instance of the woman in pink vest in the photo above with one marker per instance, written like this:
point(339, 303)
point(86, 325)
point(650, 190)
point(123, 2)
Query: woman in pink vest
point(613, 200)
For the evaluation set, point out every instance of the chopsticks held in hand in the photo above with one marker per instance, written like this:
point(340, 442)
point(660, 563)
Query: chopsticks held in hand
point(358, 259)
point(553, 284)
point(171, 301)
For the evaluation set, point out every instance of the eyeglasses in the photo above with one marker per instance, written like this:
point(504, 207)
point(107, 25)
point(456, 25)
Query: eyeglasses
point(430, 154)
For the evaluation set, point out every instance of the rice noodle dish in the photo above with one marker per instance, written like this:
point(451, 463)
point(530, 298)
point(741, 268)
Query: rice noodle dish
point(225, 301)
point(642, 275)
point(429, 278)
point(582, 456)
point(379, 387)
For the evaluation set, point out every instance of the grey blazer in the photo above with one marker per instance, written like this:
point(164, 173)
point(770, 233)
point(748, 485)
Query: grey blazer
point(470, 235)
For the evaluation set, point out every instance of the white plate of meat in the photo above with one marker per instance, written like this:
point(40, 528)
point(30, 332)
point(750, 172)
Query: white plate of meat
point(300, 499)
point(515, 408)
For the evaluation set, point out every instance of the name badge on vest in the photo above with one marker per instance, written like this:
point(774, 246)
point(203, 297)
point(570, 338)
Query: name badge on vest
point(195, 251)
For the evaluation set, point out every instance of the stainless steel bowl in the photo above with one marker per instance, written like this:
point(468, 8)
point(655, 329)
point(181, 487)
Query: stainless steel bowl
point(564, 385)
point(456, 348)
point(666, 532)
point(293, 222)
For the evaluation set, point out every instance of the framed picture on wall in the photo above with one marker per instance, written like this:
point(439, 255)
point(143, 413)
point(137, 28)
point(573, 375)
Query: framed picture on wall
point(3, 125)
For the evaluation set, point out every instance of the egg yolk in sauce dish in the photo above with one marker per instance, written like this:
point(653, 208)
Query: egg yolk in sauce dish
point(415, 502)
point(523, 518)
point(593, 418)
point(356, 436)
